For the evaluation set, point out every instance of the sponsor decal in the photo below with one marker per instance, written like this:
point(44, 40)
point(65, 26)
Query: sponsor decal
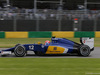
point(42, 46)
point(55, 48)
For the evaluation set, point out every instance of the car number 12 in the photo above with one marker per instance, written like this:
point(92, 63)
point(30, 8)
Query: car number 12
point(31, 47)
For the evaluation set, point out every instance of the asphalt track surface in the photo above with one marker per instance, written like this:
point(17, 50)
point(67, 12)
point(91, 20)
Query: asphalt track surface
point(94, 54)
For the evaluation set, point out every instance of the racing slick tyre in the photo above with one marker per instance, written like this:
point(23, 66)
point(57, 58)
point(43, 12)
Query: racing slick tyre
point(17, 45)
point(19, 51)
point(39, 53)
point(84, 50)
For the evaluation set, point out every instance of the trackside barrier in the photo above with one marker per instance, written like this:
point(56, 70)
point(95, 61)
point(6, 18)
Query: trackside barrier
point(97, 34)
point(40, 34)
point(59, 34)
point(2, 34)
point(84, 34)
point(63, 34)
point(16, 34)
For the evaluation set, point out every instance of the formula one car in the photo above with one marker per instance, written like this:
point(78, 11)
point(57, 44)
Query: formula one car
point(56, 46)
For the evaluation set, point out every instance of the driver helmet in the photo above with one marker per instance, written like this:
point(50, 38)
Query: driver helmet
point(47, 42)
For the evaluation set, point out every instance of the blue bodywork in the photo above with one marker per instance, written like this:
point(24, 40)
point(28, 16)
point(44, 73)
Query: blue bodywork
point(60, 42)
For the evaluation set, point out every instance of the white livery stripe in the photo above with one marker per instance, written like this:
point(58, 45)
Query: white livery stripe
point(66, 50)
point(5, 52)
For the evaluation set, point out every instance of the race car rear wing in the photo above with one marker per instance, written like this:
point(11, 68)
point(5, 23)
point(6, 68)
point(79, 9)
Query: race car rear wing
point(87, 41)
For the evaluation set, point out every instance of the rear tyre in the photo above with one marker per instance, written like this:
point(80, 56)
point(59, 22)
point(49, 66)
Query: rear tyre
point(84, 50)
point(20, 51)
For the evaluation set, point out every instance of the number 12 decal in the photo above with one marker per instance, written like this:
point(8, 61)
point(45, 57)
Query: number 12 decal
point(31, 47)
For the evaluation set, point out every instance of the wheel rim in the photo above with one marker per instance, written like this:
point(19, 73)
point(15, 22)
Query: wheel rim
point(20, 50)
point(84, 51)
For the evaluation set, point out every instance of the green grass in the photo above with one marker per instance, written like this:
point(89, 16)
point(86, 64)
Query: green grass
point(6, 43)
point(49, 66)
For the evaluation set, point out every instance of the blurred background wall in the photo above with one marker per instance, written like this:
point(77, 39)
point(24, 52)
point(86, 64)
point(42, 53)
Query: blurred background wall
point(47, 15)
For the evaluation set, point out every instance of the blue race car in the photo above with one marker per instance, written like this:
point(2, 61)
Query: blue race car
point(56, 46)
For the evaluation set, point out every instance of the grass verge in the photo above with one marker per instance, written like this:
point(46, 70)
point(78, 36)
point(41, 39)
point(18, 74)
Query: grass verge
point(49, 66)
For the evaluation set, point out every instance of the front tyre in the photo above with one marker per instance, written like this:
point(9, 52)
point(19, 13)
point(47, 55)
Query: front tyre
point(20, 51)
point(84, 50)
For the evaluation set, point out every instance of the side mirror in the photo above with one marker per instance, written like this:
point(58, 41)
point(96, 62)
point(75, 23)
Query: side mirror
point(39, 43)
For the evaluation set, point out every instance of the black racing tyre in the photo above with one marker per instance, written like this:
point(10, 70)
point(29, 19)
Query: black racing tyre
point(39, 53)
point(17, 45)
point(84, 50)
point(20, 51)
